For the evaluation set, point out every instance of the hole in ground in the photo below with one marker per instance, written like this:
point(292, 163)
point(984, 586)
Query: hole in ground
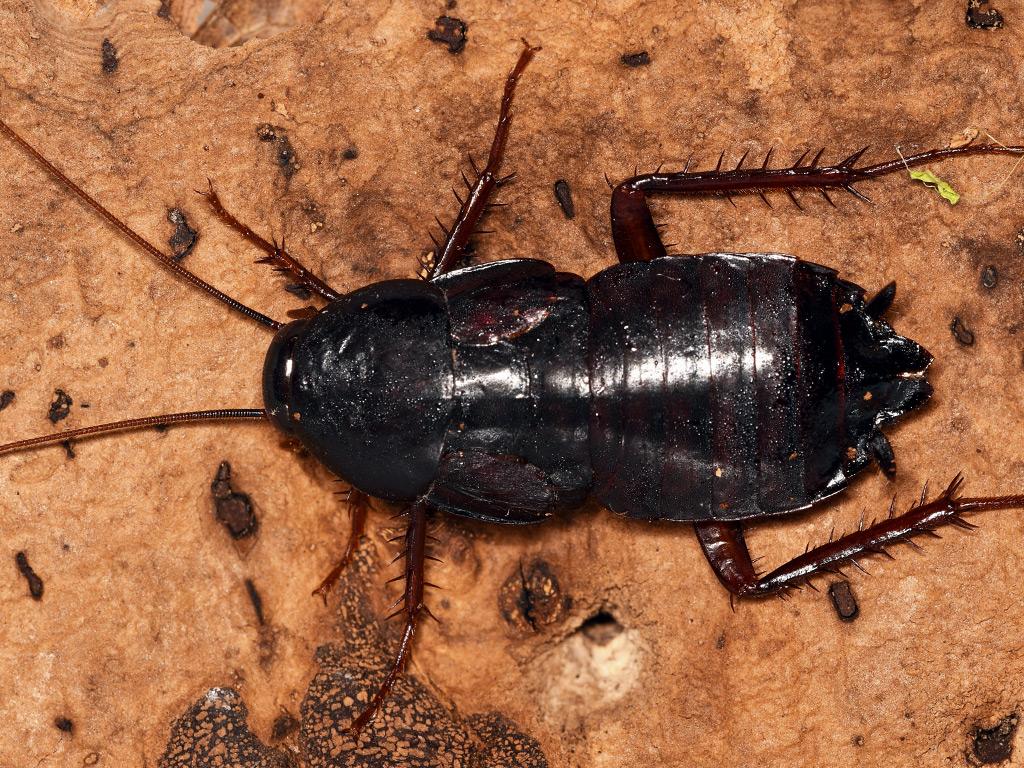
point(590, 670)
point(600, 628)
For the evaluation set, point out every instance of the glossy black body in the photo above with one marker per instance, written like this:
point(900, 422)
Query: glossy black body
point(707, 387)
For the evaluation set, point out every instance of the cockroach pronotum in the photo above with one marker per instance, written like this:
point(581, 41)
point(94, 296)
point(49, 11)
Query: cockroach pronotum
point(711, 389)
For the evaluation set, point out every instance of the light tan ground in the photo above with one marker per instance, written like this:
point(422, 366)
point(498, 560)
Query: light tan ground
point(145, 609)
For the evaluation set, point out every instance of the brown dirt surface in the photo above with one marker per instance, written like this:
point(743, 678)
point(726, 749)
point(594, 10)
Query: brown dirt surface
point(589, 641)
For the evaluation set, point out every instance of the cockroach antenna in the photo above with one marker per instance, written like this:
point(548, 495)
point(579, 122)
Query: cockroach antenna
point(220, 414)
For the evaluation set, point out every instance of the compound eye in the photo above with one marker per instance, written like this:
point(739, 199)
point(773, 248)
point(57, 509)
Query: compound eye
point(278, 371)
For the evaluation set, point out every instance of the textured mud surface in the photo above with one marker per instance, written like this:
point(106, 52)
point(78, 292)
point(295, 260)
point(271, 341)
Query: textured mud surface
point(342, 127)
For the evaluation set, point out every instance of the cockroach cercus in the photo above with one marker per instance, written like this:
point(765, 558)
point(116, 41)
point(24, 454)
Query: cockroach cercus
point(711, 389)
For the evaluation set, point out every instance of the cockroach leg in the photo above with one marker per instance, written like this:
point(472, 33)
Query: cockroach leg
point(277, 256)
point(411, 605)
point(636, 237)
point(880, 448)
point(358, 506)
point(452, 251)
point(726, 550)
point(881, 301)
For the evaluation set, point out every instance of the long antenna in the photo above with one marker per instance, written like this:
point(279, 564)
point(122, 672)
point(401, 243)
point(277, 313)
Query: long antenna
point(221, 414)
point(164, 260)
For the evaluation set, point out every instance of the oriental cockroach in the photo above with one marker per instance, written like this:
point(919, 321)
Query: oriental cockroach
point(712, 389)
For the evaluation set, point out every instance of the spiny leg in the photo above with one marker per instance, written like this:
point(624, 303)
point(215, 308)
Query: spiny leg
point(410, 604)
point(358, 506)
point(726, 549)
point(277, 256)
point(636, 236)
point(450, 253)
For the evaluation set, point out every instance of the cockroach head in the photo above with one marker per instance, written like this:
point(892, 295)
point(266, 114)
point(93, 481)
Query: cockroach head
point(278, 374)
point(365, 386)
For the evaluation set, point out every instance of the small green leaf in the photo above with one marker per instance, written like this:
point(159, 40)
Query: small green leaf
point(930, 179)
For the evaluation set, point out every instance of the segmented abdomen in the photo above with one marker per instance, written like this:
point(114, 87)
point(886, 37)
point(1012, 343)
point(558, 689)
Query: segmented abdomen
point(717, 386)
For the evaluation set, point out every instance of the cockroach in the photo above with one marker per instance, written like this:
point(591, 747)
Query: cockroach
point(711, 389)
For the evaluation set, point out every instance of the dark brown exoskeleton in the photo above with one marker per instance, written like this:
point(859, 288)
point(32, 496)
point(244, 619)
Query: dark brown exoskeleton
point(711, 389)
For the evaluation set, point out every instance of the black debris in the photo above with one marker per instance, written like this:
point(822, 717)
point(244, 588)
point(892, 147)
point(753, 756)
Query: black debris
point(961, 332)
point(6, 398)
point(60, 407)
point(351, 153)
point(183, 241)
point(989, 277)
point(995, 744)
point(843, 600)
point(69, 448)
point(977, 18)
point(286, 159)
point(564, 197)
point(109, 56)
point(284, 155)
point(449, 31)
point(266, 132)
point(64, 724)
point(637, 59)
point(257, 601)
point(234, 509)
point(35, 584)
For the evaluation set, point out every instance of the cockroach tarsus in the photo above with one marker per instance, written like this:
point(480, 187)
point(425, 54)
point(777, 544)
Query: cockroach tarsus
point(299, 291)
point(506, 391)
